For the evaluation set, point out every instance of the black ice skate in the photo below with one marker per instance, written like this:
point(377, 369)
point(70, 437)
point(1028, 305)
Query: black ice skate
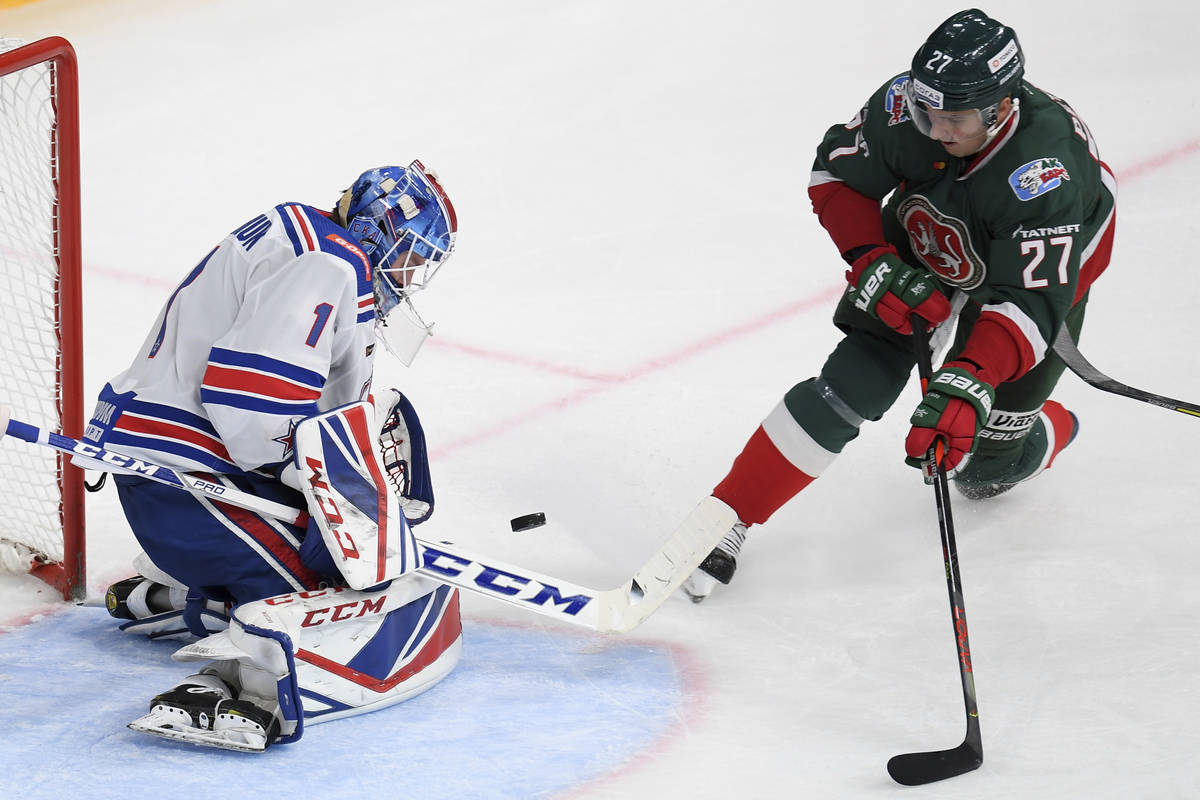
point(139, 598)
point(203, 711)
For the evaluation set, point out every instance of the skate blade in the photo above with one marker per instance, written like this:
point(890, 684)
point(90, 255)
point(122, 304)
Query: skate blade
point(698, 586)
point(166, 728)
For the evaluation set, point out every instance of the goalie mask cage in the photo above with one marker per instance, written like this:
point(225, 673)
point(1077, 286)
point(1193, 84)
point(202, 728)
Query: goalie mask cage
point(41, 370)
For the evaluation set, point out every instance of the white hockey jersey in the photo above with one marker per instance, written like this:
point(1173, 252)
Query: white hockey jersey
point(274, 325)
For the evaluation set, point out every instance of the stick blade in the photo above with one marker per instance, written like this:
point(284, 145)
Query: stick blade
point(917, 769)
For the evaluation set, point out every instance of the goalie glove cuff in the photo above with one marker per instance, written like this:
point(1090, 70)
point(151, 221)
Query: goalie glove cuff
point(405, 457)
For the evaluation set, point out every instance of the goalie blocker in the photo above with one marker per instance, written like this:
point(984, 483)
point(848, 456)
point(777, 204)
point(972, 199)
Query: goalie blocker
point(339, 469)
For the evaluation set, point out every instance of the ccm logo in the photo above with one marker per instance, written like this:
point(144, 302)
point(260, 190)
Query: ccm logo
point(333, 613)
point(116, 459)
point(329, 510)
point(493, 580)
point(344, 611)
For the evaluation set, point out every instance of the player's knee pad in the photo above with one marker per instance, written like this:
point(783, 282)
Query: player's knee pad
point(337, 652)
point(867, 372)
point(1006, 430)
point(1016, 446)
point(1000, 446)
point(818, 409)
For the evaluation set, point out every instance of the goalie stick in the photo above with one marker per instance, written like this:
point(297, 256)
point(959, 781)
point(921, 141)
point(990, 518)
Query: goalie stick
point(915, 769)
point(614, 610)
point(1068, 351)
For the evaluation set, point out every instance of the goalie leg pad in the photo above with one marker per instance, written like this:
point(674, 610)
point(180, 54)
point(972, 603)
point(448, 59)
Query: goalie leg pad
point(332, 653)
point(409, 650)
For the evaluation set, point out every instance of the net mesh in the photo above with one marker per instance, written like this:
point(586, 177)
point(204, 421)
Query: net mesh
point(31, 525)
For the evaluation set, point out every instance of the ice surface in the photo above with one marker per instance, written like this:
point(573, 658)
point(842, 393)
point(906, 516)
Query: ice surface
point(638, 281)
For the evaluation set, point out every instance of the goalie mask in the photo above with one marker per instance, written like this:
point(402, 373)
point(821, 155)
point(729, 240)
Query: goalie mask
point(406, 225)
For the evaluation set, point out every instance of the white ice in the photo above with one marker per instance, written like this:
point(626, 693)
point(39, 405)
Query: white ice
point(639, 279)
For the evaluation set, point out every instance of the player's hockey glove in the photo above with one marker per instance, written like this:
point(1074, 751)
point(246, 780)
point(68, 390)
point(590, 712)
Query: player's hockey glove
point(891, 290)
point(956, 405)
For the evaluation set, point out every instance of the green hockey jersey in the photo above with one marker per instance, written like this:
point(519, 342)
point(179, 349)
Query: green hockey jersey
point(1023, 227)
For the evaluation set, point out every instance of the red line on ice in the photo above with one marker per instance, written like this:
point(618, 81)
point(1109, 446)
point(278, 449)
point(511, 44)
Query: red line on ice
point(601, 381)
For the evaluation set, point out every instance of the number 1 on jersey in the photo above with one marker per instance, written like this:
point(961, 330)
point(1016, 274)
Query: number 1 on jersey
point(322, 312)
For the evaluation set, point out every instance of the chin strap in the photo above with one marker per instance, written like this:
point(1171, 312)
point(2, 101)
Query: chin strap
point(1001, 124)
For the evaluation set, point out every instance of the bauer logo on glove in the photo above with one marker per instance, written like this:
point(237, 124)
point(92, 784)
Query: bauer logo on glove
point(955, 407)
point(982, 392)
point(869, 287)
point(892, 291)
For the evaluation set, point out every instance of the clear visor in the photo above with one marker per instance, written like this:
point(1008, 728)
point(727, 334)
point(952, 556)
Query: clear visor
point(402, 331)
point(948, 124)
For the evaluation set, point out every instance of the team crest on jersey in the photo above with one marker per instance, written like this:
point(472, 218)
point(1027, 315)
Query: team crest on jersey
point(1038, 177)
point(893, 101)
point(288, 441)
point(942, 243)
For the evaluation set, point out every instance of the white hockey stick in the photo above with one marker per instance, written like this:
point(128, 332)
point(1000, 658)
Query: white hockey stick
point(606, 610)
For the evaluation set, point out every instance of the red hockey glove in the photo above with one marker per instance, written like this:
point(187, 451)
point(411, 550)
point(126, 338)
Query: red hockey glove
point(956, 405)
point(892, 291)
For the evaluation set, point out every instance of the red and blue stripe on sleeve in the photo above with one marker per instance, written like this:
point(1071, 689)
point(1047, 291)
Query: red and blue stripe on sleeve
point(258, 383)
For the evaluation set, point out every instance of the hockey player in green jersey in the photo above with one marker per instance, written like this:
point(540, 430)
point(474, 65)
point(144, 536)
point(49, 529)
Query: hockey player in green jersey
point(959, 189)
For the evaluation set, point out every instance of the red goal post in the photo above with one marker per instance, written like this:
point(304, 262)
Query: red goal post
point(41, 337)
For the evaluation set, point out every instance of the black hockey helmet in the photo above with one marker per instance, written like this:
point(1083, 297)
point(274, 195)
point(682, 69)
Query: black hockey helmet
point(969, 61)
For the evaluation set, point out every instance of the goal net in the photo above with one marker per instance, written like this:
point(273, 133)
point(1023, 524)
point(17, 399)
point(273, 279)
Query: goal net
point(41, 529)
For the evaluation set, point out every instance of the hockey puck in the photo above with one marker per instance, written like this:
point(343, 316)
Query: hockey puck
point(528, 521)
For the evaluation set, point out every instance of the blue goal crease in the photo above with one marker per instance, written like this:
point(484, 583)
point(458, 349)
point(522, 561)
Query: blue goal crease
point(519, 717)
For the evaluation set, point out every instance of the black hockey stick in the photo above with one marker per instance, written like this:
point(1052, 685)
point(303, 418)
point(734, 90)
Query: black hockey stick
point(1067, 350)
point(915, 769)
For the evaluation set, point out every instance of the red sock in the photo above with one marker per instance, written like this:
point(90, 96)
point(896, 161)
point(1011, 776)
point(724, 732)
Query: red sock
point(1063, 424)
point(760, 481)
